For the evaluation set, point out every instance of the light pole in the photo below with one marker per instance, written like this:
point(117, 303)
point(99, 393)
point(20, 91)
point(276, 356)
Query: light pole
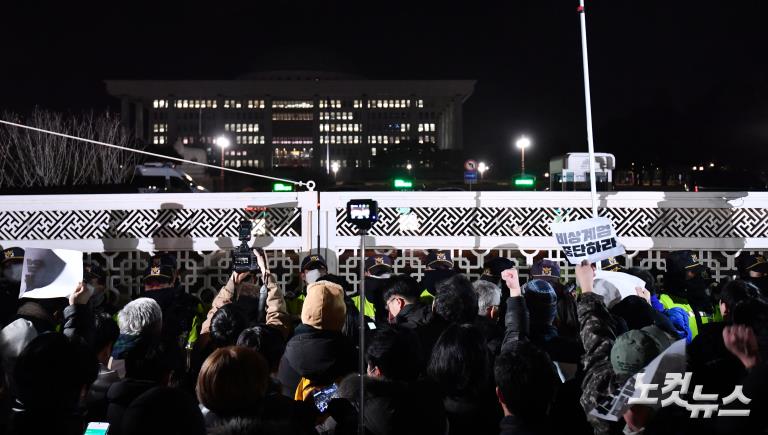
point(481, 168)
point(222, 142)
point(335, 169)
point(522, 143)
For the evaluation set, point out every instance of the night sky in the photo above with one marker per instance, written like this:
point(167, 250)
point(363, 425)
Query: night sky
point(672, 81)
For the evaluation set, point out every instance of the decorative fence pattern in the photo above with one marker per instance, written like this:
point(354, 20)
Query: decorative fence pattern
point(121, 231)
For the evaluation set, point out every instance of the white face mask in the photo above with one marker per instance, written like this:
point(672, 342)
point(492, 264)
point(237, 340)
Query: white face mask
point(311, 276)
point(12, 272)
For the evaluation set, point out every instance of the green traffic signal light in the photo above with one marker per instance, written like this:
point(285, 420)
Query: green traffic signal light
point(401, 183)
point(282, 187)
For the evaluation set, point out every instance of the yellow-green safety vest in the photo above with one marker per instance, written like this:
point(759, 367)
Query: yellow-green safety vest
point(370, 310)
point(670, 301)
point(426, 297)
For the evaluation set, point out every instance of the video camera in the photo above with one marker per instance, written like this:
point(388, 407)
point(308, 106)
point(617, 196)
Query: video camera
point(243, 259)
point(362, 213)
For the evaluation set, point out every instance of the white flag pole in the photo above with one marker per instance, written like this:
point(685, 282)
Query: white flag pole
point(588, 101)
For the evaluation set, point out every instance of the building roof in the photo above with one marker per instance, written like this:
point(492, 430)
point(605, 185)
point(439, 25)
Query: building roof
point(301, 88)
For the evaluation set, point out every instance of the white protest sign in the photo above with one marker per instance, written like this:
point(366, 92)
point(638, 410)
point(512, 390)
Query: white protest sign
point(592, 239)
point(615, 286)
point(50, 273)
point(672, 360)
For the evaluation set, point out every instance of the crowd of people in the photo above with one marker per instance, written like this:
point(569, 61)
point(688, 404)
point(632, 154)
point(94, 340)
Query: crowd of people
point(442, 355)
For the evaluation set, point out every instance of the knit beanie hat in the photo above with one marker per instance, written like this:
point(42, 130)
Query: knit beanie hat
point(324, 306)
point(636, 348)
point(541, 300)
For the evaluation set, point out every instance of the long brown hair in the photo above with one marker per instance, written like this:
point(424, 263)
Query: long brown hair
point(233, 381)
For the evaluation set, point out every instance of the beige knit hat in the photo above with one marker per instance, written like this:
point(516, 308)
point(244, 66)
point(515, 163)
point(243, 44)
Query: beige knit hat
point(324, 306)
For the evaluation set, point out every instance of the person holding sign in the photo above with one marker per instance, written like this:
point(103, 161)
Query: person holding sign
point(609, 360)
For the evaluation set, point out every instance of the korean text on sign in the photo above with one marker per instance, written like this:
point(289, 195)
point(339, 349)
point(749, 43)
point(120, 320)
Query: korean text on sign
point(591, 239)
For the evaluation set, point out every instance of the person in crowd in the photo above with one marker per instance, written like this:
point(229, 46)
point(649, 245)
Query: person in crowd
point(526, 385)
point(318, 354)
point(147, 365)
point(455, 303)
point(488, 313)
point(566, 321)
point(246, 286)
point(754, 268)
point(708, 358)
point(378, 269)
point(141, 323)
point(96, 282)
point(227, 324)
point(182, 312)
point(233, 382)
point(401, 300)
point(51, 374)
point(614, 264)
point(492, 271)
point(269, 342)
point(461, 365)
point(395, 400)
point(313, 267)
point(687, 285)
point(105, 335)
point(163, 411)
point(351, 329)
point(10, 283)
point(531, 312)
point(439, 267)
point(609, 360)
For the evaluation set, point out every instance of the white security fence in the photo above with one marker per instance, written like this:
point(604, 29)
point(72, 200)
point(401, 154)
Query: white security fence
point(122, 230)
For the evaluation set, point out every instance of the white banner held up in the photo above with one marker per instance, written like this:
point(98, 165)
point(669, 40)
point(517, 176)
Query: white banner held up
point(50, 273)
point(592, 239)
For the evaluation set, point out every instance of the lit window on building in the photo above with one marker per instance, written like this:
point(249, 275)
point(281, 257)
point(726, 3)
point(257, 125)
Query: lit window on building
point(373, 151)
point(292, 104)
point(357, 104)
point(255, 104)
point(291, 140)
point(242, 127)
point(333, 104)
point(159, 128)
point(196, 104)
point(160, 104)
point(232, 104)
point(293, 157)
point(420, 104)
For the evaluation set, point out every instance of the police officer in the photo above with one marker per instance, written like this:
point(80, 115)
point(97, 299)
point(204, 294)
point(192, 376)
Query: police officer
point(378, 269)
point(10, 282)
point(439, 267)
point(754, 268)
point(313, 268)
point(687, 284)
point(183, 314)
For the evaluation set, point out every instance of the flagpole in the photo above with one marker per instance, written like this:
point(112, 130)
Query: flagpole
point(588, 102)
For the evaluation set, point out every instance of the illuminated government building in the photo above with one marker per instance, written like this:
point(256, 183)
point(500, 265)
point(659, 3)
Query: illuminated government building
point(294, 119)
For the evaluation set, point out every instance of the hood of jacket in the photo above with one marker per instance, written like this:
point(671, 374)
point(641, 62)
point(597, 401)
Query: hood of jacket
point(318, 355)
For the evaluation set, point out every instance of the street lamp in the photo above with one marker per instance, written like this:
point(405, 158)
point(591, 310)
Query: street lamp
point(409, 167)
point(522, 143)
point(481, 168)
point(335, 169)
point(222, 142)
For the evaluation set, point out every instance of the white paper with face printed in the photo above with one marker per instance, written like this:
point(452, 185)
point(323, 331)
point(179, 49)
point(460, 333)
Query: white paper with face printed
point(50, 273)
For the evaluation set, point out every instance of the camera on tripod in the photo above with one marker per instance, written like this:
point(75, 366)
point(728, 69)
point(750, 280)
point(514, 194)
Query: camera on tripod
point(243, 259)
